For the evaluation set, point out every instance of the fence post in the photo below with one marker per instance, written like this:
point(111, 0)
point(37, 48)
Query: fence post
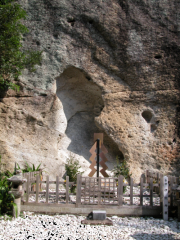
point(141, 191)
point(174, 184)
point(24, 184)
point(67, 189)
point(143, 177)
point(170, 180)
point(120, 190)
point(165, 198)
point(161, 190)
point(147, 176)
point(151, 191)
point(131, 191)
point(27, 188)
point(47, 189)
point(78, 191)
point(37, 188)
point(57, 188)
point(158, 182)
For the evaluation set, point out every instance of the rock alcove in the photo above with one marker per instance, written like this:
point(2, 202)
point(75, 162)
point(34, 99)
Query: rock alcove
point(147, 115)
point(82, 101)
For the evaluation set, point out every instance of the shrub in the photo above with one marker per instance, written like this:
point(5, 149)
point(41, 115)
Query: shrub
point(121, 169)
point(72, 170)
point(6, 199)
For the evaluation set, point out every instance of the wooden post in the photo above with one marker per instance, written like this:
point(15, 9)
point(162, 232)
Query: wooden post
point(98, 142)
point(67, 189)
point(25, 183)
point(141, 191)
point(47, 189)
point(143, 177)
point(99, 190)
point(27, 189)
point(151, 191)
point(131, 191)
point(120, 190)
point(158, 182)
point(161, 190)
point(147, 176)
point(174, 183)
point(78, 192)
point(37, 188)
point(57, 188)
point(170, 180)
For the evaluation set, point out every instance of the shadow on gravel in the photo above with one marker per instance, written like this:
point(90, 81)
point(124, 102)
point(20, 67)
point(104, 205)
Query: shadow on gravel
point(159, 226)
point(147, 236)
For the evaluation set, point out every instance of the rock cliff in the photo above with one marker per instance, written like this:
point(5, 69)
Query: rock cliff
point(108, 66)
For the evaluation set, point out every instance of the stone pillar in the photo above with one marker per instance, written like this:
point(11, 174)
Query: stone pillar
point(165, 198)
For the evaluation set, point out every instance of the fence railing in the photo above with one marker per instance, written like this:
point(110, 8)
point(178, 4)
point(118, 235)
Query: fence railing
point(172, 184)
point(46, 195)
point(110, 191)
point(95, 191)
point(32, 177)
point(147, 197)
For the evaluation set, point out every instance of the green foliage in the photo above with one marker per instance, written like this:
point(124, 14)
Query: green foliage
point(28, 168)
point(12, 58)
point(6, 199)
point(121, 169)
point(72, 170)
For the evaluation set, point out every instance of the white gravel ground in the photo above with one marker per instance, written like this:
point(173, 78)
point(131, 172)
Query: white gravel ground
point(69, 227)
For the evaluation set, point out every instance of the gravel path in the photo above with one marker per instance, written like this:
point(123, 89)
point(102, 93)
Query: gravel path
point(69, 227)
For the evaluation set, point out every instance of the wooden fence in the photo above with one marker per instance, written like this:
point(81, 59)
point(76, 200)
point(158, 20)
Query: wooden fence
point(56, 195)
point(95, 192)
point(172, 184)
point(32, 177)
point(109, 191)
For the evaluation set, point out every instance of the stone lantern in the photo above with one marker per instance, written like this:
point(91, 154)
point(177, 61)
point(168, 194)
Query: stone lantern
point(17, 190)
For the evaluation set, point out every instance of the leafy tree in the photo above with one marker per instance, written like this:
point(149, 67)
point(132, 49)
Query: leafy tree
point(13, 59)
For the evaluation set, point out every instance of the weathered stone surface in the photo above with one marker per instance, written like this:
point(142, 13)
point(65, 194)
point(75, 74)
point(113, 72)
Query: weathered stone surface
point(110, 66)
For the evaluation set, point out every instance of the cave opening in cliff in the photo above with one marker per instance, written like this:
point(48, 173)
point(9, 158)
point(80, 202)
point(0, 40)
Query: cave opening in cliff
point(82, 102)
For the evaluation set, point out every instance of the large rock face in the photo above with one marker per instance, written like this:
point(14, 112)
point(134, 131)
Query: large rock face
point(108, 66)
